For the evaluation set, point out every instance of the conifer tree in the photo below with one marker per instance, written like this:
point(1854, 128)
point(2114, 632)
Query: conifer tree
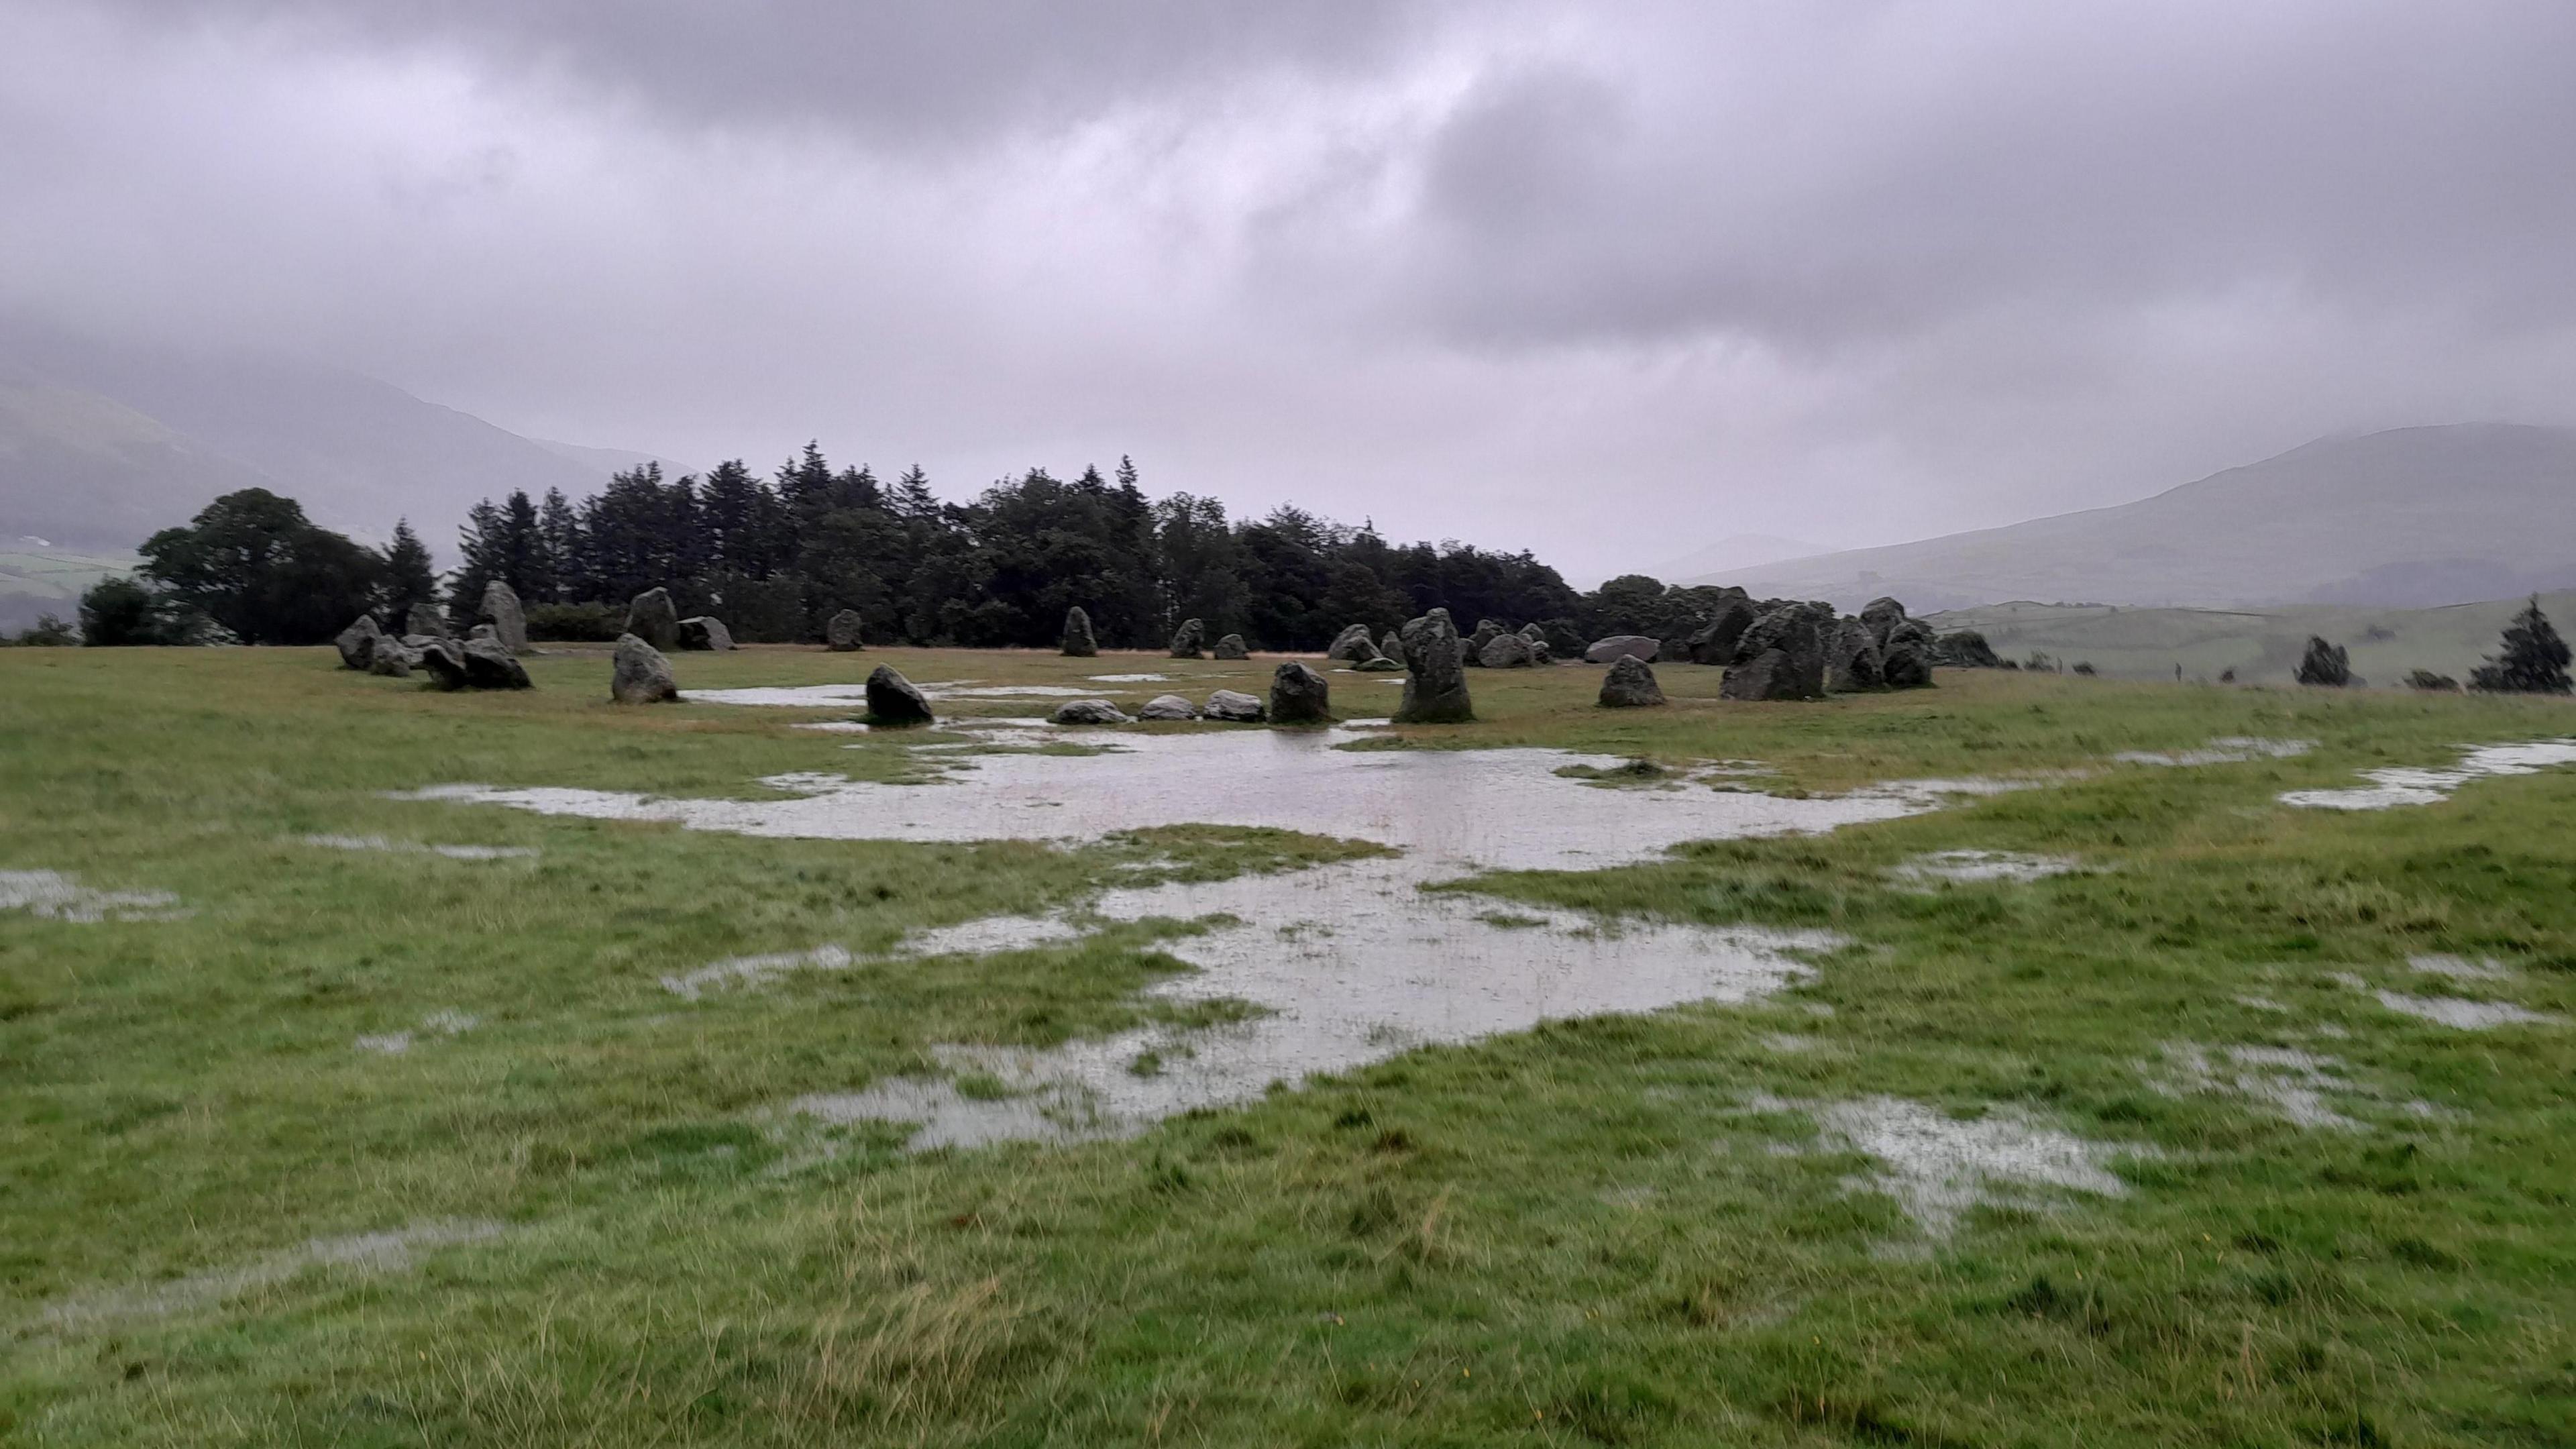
point(409, 579)
point(2533, 660)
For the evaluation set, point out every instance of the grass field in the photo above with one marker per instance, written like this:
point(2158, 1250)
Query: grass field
point(567, 1212)
point(2263, 646)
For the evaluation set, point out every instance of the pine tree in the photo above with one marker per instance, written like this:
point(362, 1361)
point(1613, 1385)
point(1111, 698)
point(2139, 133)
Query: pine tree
point(912, 495)
point(480, 548)
point(409, 579)
point(2534, 659)
point(567, 553)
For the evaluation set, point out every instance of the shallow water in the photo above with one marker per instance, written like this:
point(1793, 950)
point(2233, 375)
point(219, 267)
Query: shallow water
point(2461, 1013)
point(1938, 1167)
point(54, 896)
point(2291, 1082)
point(1982, 866)
point(2404, 785)
point(2225, 750)
point(413, 847)
point(393, 1251)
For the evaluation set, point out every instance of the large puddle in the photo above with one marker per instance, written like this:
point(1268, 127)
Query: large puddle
point(2404, 785)
point(1318, 970)
point(54, 896)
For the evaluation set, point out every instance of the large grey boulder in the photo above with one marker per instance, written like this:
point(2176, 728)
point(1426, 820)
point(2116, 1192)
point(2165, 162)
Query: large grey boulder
point(509, 621)
point(1472, 650)
point(1623, 646)
point(1352, 645)
point(391, 659)
point(1078, 641)
point(1391, 647)
point(893, 702)
point(2327, 665)
point(1435, 683)
point(1507, 651)
point(1965, 649)
point(1882, 615)
point(357, 643)
point(653, 618)
point(1906, 660)
point(1168, 706)
point(1785, 657)
point(1235, 707)
point(490, 665)
point(705, 631)
point(1190, 641)
point(1233, 647)
point(441, 658)
point(641, 674)
point(845, 633)
point(1090, 712)
point(1298, 695)
point(1630, 684)
point(1716, 640)
point(425, 618)
point(1852, 659)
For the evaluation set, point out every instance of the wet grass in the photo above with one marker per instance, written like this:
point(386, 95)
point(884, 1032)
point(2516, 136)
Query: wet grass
point(1609, 1231)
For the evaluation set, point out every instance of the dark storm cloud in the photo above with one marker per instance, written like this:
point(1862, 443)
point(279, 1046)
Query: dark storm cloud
point(1852, 270)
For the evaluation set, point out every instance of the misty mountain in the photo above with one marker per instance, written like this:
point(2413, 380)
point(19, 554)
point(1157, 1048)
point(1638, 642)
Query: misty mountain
point(2413, 518)
point(100, 445)
point(1734, 553)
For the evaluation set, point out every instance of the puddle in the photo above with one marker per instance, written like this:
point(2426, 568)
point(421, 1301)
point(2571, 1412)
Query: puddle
point(2460, 1013)
point(2403, 785)
point(2291, 1082)
point(441, 1023)
point(2225, 750)
point(2460, 968)
point(54, 896)
point(971, 938)
point(393, 1251)
point(413, 847)
point(810, 696)
point(1937, 1167)
point(1977, 866)
point(1127, 678)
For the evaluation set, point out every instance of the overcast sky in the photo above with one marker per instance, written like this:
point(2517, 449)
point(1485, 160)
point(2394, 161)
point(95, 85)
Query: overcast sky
point(1606, 279)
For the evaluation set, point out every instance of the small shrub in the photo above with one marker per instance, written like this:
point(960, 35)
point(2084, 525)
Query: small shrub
point(2084, 667)
point(2325, 665)
point(2426, 679)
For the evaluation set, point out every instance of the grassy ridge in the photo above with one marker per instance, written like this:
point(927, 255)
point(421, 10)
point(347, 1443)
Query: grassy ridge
point(1597, 1232)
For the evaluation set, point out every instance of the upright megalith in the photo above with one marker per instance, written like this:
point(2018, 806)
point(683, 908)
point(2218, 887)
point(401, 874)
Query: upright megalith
point(425, 618)
point(1352, 646)
point(893, 701)
point(1630, 684)
point(1852, 662)
point(705, 631)
point(1716, 640)
point(1298, 695)
point(1435, 681)
point(641, 674)
point(846, 633)
point(357, 643)
point(2327, 665)
point(1391, 647)
point(1905, 662)
point(1190, 640)
point(501, 610)
point(653, 618)
point(1233, 647)
point(1078, 640)
point(1782, 656)
point(1882, 615)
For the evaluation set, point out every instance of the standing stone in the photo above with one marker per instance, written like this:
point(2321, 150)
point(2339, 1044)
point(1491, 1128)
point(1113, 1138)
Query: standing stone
point(1906, 661)
point(1233, 647)
point(2327, 665)
point(1716, 640)
point(501, 610)
point(1852, 659)
point(425, 618)
point(1630, 684)
point(1391, 647)
point(641, 674)
point(1622, 646)
point(654, 619)
point(846, 633)
point(1507, 651)
point(1168, 706)
point(1091, 712)
point(1882, 615)
point(1785, 658)
point(1435, 682)
point(1352, 645)
point(893, 702)
point(490, 666)
point(442, 661)
point(1078, 640)
point(357, 643)
point(1298, 695)
point(1191, 641)
point(705, 631)
point(1235, 707)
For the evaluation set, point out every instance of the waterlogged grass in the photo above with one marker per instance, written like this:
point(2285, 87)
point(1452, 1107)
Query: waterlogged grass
point(1620, 1231)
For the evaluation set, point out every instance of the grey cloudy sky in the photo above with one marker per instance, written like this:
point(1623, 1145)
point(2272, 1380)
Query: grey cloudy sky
point(1607, 279)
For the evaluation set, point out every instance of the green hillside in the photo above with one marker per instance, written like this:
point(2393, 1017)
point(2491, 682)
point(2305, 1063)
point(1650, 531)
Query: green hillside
point(2262, 646)
point(35, 581)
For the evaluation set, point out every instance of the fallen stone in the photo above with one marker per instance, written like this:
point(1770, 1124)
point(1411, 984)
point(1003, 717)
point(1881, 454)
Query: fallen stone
point(845, 633)
point(1232, 647)
point(484, 631)
point(641, 674)
point(1623, 646)
point(1630, 684)
point(490, 665)
point(1091, 712)
point(391, 659)
point(893, 702)
point(357, 643)
point(1168, 706)
point(1352, 645)
point(704, 631)
point(1965, 649)
point(441, 659)
point(501, 610)
point(1235, 707)
point(1507, 651)
point(653, 618)
point(1078, 642)
point(1298, 695)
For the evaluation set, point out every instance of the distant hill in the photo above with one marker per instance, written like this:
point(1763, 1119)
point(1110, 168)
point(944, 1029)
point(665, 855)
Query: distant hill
point(2412, 517)
point(2262, 645)
point(1728, 555)
point(101, 445)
